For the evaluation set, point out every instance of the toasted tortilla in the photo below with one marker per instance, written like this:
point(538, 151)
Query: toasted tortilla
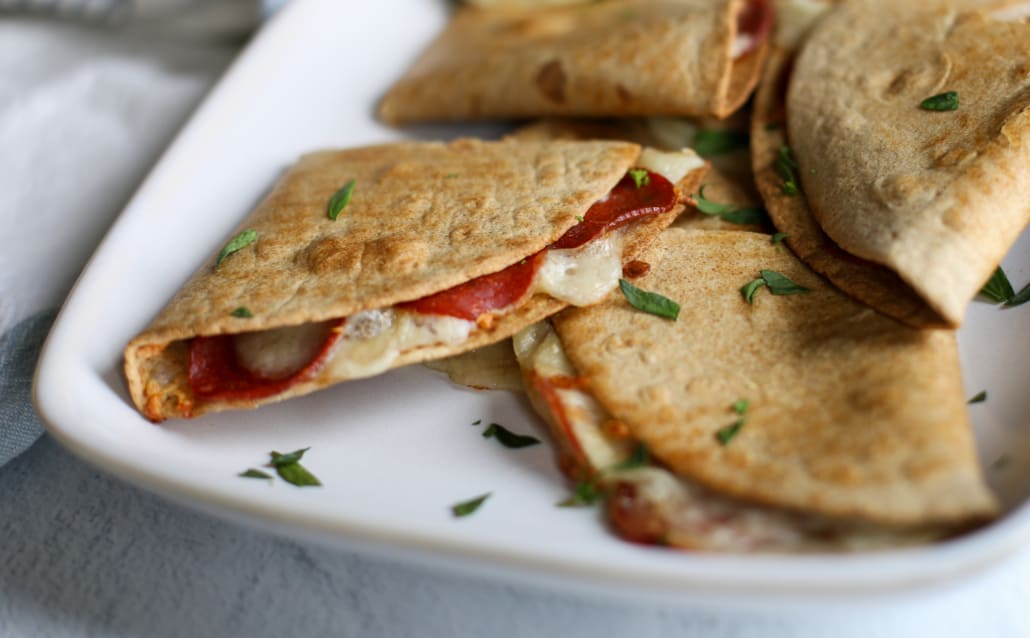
point(614, 58)
point(424, 217)
point(852, 415)
point(870, 283)
point(937, 197)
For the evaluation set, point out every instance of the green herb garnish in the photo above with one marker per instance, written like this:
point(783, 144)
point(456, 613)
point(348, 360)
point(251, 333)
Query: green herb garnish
point(729, 212)
point(726, 434)
point(451, 175)
point(780, 285)
point(947, 101)
point(243, 239)
point(777, 284)
point(252, 473)
point(579, 218)
point(778, 238)
point(242, 312)
point(477, 421)
point(340, 199)
point(979, 397)
point(288, 467)
point(650, 302)
point(787, 167)
point(640, 458)
point(507, 438)
point(467, 507)
point(584, 494)
point(749, 289)
point(640, 177)
point(740, 406)
point(1020, 297)
point(998, 288)
point(709, 142)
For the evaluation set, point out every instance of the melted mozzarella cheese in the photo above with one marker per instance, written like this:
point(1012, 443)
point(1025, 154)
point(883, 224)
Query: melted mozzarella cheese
point(372, 340)
point(279, 352)
point(743, 43)
point(672, 165)
point(583, 275)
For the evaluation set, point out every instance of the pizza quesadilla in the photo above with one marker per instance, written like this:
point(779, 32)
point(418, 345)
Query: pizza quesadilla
point(438, 249)
point(907, 144)
point(795, 422)
point(614, 58)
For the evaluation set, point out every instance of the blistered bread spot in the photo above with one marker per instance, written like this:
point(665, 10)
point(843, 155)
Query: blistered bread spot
point(551, 81)
point(485, 321)
point(900, 84)
point(333, 255)
point(400, 255)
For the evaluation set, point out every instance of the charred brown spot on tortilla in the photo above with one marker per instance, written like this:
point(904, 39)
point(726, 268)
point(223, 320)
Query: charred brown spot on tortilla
point(625, 97)
point(551, 81)
point(636, 269)
point(333, 254)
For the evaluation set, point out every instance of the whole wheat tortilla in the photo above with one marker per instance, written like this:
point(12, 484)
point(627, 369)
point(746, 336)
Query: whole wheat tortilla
point(870, 283)
point(937, 197)
point(614, 58)
point(851, 414)
point(424, 217)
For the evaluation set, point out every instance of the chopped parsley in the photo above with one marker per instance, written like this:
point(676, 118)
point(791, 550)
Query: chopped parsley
point(507, 438)
point(252, 473)
point(749, 289)
point(242, 239)
point(579, 218)
point(649, 302)
point(339, 200)
point(999, 290)
point(242, 312)
point(947, 101)
point(477, 421)
point(640, 458)
point(729, 212)
point(288, 467)
point(787, 167)
point(467, 507)
point(778, 238)
point(979, 397)
point(584, 494)
point(777, 284)
point(727, 433)
point(640, 177)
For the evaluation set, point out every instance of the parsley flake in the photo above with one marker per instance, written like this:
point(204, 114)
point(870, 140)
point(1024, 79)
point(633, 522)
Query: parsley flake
point(740, 406)
point(778, 238)
point(242, 239)
point(787, 167)
point(649, 302)
point(584, 494)
point(728, 212)
point(781, 285)
point(467, 507)
point(749, 289)
point(998, 288)
point(640, 177)
point(252, 473)
point(726, 434)
point(288, 467)
point(477, 421)
point(507, 438)
point(339, 200)
point(947, 101)
point(979, 397)
point(640, 458)
point(242, 312)
point(579, 218)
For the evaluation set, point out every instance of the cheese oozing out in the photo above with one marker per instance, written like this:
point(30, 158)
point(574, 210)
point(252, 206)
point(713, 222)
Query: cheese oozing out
point(371, 340)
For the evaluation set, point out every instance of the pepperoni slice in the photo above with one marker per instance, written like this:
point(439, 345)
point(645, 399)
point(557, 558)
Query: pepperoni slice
point(480, 295)
point(756, 21)
point(625, 203)
point(215, 372)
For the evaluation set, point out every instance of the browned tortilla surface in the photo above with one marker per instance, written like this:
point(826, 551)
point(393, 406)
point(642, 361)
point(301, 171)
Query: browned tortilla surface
point(851, 414)
point(936, 196)
point(614, 58)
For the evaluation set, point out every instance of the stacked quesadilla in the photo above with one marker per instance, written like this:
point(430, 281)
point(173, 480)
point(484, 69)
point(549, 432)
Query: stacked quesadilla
point(440, 248)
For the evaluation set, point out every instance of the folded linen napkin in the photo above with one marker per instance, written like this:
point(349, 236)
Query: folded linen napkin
point(84, 113)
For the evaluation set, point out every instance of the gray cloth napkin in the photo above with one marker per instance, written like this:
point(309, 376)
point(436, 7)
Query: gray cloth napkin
point(19, 350)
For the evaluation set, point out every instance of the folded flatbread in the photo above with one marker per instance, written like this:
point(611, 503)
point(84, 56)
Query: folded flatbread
point(797, 422)
point(935, 197)
point(441, 248)
point(614, 58)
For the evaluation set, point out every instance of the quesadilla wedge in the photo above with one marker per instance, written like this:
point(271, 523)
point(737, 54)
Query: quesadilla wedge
point(426, 250)
point(614, 58)
point(909, 137)
point(796, 422)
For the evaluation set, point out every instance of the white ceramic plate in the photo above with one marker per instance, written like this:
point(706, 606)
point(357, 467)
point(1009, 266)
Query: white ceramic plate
point(396, 451)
